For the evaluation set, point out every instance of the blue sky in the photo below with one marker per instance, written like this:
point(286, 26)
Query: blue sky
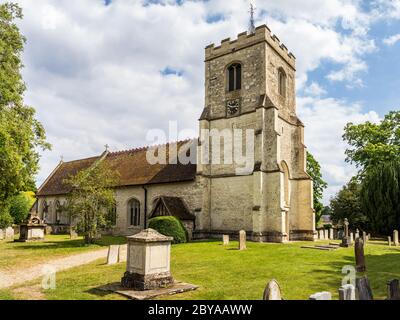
point(105, 72)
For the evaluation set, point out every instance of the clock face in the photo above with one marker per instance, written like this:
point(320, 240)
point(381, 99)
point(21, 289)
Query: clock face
point(233, 106)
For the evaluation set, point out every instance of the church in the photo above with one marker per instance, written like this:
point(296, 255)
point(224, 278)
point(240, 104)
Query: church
point(249, 85)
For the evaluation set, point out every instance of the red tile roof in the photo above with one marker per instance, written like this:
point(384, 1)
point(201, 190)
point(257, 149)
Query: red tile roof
point(133, 168)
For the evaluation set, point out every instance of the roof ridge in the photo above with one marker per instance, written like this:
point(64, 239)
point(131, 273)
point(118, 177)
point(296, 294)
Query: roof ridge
point(138, 149)
point(76, 160)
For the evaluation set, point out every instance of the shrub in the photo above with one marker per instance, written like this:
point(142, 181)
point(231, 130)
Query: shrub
point(169, 226)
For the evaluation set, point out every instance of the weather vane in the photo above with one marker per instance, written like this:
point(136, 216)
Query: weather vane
point(252, 27)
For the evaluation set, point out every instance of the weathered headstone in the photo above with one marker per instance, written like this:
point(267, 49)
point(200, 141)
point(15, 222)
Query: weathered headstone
point(389, 241)
point(242, 240)
point(346, 240)
point(72, 233)
point(272, 291)
point(347, 292)
point(368, 236)
point(321, 296)
point(123, 252)
point(364, 289)
point(9, 234)
point(364, 237)
point(351, 237)
point(331, 235)
point(321, 235)
point(393, 291)
point(396, 238)
point(1, 234)
point(326, 234)
point(357, 234)
point(225, 239)
point(359, 253)
point(112, 256)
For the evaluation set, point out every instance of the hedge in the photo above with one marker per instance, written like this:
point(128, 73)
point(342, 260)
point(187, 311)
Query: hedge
point(169, 226)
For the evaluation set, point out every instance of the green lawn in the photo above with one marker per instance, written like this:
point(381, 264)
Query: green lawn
point(226, 273)
point(25, 254)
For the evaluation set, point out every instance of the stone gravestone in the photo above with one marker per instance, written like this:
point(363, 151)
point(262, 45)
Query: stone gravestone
point(393, 291)
point(1, 234)
point(331, 236)
point(357, 234)
point(9, 234)
point(364, 237)
point(347, 292)
point(321, 234)
point(321, 296)
point(389, 241)
point(351, 238)
point(346, 240)
point(364, 289)
point(326, 234)
point(359, 253)
point(242, 240)
point(72, 233)
point(272, 291)
point(396, 238)
point(225, 239)
point(148, 263)
point(122, 253)
point(112, 256)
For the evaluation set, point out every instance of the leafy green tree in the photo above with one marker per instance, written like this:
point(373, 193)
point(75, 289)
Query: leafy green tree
point(314, 170)
point(91, 199)
point(346, 204)
point(380, 197)
point(20, 206)
point(21, 135)
point(372, 144)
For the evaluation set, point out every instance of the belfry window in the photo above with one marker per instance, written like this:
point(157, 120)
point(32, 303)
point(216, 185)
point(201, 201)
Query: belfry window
point(234, 77)
point(282, 82)
point(134, 212)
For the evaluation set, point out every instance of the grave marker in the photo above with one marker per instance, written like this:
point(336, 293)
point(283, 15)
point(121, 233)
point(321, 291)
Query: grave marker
point(112, 256)
point(393, 291)
point(225, 239)
point(359, 253)
point(242, 240)
point(272, 291)
point(347, 292)
point(396, 238)
point(321, 296)
point(9, 234)
point(364, 289)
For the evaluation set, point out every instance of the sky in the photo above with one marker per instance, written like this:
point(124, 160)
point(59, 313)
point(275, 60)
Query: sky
point(106, 71)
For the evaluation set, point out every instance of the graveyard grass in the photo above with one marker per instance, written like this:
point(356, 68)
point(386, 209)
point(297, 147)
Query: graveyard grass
point(25, 254)
point(223, 272)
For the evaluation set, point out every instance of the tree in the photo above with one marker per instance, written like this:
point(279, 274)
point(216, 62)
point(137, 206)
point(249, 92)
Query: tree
point(21, 135)
point(314, 170)
point(372, 144)
point(20, 206)
point(92, 199)
point(380, 197)
point(346, 204)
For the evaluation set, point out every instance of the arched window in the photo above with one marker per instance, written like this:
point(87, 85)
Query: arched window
point(282, 82)
point(234, 75)
point(57, 207)
point(134, 212)
point(45, 210)
point(112, 215)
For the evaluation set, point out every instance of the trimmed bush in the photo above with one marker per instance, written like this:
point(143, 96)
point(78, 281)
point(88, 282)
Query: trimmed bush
point(169, 226)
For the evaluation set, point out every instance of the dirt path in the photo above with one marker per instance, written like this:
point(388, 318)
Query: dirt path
point(21, 276)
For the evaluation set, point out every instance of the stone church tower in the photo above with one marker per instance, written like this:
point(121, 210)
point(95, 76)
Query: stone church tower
point(250, 85)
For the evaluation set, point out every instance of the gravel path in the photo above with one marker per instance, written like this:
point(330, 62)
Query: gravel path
point(21, 276)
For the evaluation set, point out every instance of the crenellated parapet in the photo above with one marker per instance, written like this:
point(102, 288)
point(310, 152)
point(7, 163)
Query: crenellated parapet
point(244, 40)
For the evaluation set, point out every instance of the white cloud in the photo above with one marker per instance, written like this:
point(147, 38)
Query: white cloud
point(325, 119)
point(94, 72)
point(390, 41)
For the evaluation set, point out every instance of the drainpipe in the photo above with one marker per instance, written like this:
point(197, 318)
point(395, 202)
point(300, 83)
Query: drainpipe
point(145, 207)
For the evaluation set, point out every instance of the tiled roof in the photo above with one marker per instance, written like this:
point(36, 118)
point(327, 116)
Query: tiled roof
point(175, 207)
point(132, 166)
